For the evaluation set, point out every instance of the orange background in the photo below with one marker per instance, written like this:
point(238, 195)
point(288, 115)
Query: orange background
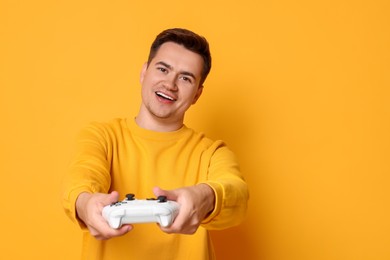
point(299, 89)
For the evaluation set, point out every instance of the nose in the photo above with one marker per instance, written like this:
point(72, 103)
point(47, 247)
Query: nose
point(170, 83)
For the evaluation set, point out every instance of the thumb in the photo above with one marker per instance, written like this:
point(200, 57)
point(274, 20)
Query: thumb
point(111, 198)
point(158, 192)
point(170, 194)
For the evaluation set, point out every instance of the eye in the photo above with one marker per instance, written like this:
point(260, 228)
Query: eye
point(186, 79)
point(162, 69)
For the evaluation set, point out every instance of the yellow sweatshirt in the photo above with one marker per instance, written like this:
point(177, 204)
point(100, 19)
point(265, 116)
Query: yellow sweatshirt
point(121, 156)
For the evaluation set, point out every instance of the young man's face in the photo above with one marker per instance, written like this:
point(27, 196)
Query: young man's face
point(171, 83)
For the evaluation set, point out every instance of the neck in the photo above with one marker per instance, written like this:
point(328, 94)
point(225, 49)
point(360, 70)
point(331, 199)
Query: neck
point(153, 123)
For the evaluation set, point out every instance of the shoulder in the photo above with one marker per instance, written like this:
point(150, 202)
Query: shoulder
point(206, 142)
point(111, 125)
point(105, 129)
point(216, 152)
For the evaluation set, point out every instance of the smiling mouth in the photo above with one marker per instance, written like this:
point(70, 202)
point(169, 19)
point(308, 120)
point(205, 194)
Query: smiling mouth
point(164, 96)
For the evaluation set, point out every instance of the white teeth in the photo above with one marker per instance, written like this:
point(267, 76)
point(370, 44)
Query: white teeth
point(164, 96)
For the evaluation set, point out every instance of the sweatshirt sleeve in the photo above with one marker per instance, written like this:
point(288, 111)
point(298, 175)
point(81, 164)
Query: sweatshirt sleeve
point(230, 189)
point(89, 170)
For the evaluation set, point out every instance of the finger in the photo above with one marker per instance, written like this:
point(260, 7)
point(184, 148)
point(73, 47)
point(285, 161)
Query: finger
point(121, 231)
point(170, 194)
point(113, 232)
point(178, 224)
point(104, 231)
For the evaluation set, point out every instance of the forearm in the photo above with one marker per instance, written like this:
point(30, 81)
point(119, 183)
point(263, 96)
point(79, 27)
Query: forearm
point(77, 184)
point(89, 171)
point(230, 190)
point(230, 204)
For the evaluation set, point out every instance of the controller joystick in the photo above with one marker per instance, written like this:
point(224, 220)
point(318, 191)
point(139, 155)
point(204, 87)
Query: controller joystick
point(130, 196)
point(162, 199)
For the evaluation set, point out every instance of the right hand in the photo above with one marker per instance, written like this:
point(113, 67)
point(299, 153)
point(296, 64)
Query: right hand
point(89, 209)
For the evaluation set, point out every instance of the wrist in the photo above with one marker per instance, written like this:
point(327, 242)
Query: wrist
point(81, 202)
point(208, 197)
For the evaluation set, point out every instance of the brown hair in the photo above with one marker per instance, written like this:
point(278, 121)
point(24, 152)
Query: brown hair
point(189, 40)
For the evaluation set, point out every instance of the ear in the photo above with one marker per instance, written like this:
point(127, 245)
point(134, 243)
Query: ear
point(198, 94)
point(143, 71)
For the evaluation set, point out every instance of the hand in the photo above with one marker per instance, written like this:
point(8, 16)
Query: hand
point(89, 209)
point(196, 203)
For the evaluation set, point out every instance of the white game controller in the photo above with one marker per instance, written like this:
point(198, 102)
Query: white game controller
point(131, 211)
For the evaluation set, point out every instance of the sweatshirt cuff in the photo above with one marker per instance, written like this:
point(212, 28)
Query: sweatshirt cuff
point(70, 206)
point(219, 194)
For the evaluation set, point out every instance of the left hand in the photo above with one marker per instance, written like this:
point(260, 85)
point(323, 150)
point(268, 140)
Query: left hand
point(196, 203)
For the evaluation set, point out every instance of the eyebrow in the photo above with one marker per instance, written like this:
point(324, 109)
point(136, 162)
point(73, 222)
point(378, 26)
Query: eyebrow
point(187, 73)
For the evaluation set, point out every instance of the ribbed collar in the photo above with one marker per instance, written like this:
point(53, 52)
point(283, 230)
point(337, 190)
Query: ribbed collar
point(149, 134)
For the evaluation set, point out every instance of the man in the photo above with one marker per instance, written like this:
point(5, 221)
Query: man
point(155, 152)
